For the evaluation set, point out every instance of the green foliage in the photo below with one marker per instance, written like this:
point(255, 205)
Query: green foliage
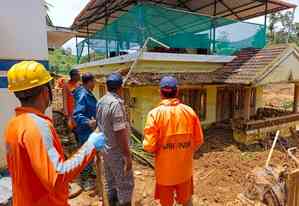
point(93, 57)
point(282, 29)
point(61, 61)
point(287, 105)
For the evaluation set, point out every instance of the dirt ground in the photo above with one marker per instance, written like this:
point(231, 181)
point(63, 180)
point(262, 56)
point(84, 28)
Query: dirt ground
point(279, 95)
point(220, 167)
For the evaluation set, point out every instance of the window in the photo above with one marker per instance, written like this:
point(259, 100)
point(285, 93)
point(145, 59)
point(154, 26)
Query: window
point(195, 98)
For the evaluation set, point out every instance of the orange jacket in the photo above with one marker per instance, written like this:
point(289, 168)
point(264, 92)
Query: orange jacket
point(69, 102)
point(40, 175)
point(172, 132)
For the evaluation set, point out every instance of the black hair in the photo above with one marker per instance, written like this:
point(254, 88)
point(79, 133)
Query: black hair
point(169, 93)
point(113, 88)
point(73, 73)
point(28, 96)
point(87, 77)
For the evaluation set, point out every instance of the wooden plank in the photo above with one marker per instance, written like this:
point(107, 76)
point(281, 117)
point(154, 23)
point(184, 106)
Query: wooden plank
point(297, 190)
point(293, 189)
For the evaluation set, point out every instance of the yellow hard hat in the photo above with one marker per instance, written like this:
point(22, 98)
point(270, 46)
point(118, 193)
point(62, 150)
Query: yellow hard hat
point(26, 75)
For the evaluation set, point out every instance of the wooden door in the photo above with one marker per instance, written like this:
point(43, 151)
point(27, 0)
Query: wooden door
point(225, 98)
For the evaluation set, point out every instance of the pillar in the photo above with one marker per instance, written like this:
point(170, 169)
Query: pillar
point(296, 98)
point(247, 108)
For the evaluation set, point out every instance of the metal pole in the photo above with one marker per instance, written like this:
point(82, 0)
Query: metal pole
point(214, 26)
point(265, 21)
point(88, 47)
point(106, 23)
point(77, 50)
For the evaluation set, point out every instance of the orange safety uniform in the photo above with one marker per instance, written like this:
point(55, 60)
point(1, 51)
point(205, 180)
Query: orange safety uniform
point(40, 174)
point(69, 102)
point(173, 133)
point(68, 89)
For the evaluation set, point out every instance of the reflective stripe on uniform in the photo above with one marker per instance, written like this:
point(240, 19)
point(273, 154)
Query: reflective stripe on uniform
point(60, 167)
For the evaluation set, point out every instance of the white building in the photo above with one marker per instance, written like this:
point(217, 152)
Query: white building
point(23, 37)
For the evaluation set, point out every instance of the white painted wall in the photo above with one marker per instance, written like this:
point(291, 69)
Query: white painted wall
point(23, 36)
point(23, 30)
point(7, 105)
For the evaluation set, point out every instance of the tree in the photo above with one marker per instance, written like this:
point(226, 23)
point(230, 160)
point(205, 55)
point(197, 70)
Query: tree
point(61, 60)
point(273, 20)
point(282, 29)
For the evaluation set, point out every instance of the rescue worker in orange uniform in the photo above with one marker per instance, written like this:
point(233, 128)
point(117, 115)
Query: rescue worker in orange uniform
point(173, 133)
point(40, 174)
point(68, 96)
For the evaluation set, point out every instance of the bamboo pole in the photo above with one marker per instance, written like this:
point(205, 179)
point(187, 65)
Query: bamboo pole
point(272, 149)
point(100, 180)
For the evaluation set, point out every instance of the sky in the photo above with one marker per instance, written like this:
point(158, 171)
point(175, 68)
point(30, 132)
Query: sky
point(63, 13)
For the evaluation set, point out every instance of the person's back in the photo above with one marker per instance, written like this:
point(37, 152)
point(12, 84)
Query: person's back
point(40, 174)
point(173, 133)
point(112, 120)
point(108, 106)
point(22, 128)
point(176, 141)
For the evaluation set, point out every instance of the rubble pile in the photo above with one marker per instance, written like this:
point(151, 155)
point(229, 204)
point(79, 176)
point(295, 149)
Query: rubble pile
point(267, 185)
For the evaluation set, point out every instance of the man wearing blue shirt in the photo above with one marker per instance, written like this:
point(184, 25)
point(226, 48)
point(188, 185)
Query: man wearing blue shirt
point(84, 116)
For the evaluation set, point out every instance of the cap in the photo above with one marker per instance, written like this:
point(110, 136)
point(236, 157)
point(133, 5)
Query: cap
point(114, 80)
point(168, 82)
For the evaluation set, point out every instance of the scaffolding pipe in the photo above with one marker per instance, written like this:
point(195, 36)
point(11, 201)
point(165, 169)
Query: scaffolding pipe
point(88, 46)
point(106, 23)
point(77, 50)
point(265, 20)
point(214, 26)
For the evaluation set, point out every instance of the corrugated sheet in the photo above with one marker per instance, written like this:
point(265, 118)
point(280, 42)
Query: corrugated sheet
point(95, 11)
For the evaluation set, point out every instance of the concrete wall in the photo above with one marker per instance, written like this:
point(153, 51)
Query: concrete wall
point(23, 30)
point(259, 98)
point(147, 98)
point(23, 37)
point(284, 71)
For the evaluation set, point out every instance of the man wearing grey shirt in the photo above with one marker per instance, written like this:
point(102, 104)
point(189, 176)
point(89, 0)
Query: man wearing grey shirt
point(113, 121)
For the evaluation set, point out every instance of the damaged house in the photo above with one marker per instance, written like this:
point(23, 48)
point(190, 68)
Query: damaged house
point(220, 61)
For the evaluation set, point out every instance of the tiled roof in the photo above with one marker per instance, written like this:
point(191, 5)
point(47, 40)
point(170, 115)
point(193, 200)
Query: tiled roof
point(149, 78)
point(249, 65)
point(246, 68)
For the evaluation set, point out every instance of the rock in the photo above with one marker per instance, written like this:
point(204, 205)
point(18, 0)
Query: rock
point(138, 173)
point(6, 191)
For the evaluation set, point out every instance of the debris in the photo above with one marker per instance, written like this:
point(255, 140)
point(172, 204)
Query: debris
point(74, 190)
point(139, 154)
point(267, 185)
point(6, 191)
point(207, 175)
